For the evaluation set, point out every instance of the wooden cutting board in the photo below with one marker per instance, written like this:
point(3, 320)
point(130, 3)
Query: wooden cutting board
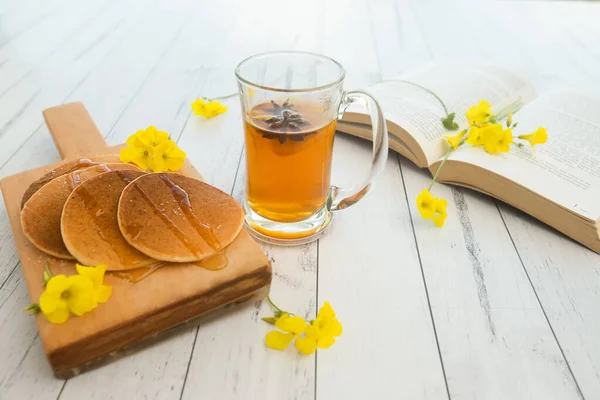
point(170, 296)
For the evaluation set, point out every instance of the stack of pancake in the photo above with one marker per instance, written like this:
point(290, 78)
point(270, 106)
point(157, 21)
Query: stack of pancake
point(100, 211)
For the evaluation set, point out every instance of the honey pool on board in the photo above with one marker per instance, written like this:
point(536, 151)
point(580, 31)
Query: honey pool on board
point(288, 155)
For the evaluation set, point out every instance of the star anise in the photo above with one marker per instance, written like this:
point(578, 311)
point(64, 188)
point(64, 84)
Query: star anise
point(285, 119)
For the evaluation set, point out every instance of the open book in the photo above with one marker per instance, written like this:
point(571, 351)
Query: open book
point(558, 183)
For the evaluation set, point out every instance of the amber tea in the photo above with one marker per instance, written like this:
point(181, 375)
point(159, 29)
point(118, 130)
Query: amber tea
point(288, 152)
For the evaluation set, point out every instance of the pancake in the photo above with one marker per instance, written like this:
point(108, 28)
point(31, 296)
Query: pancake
point(40, 217)
point(65, 168)
point(171, 217)
point(89, 223)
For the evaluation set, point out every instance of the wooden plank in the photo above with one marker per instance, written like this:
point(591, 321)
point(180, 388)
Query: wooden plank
point(252, 369)
point(493, 337)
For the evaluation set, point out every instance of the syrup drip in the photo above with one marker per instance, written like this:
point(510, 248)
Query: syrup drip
point(205, 231)
point(135, 275)
point(214, 263)
point(167, 221)
point(182, 197)
point(127, 255)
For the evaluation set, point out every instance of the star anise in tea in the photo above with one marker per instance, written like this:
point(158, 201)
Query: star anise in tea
point(286, 119)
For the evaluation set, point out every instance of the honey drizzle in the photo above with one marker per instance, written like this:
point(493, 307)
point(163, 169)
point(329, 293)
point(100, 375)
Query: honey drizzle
point(91, 206)
point(135, 275)
point(168, 222)
point(182, 197)
point(214, 263)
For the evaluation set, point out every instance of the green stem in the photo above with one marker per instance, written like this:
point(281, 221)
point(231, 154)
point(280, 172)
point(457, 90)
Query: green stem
point(273, 305)
point(424, 88)
point(439, 169)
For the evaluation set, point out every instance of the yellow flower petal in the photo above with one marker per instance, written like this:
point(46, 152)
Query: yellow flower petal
point(59, 315)
point(278, 340)
point(426, 204)
point(540, 136)
point(474, 138)
point(151, 136)
point(96, 274)
point(454, 140)
point(440, 212)
point(325, 342)
point(208, 109)
point(80, 295)
point(292, 324)
point(137, 156)
point(306, 345)
point(479, 114)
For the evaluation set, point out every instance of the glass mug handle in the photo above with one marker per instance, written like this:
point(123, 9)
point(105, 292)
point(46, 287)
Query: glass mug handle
point(340, 198)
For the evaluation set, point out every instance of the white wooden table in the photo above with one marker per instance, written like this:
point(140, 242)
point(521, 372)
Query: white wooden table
point(493, 306)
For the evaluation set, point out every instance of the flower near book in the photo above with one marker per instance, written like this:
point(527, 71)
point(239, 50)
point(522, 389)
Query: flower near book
point(152, 149)
point(540, 136)
point(487, 131)
point(308, 336)
point(75, 294)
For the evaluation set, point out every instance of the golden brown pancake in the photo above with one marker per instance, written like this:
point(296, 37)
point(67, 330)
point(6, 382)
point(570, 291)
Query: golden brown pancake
point(89, 223)
point(65, 168)
point(171, 217)
point(40, 216)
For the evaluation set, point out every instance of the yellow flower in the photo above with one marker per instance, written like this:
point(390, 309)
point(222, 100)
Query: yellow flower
point(308, 344)
point(499, 141)
point(440, 212)
point(102, 292)
point(208, 109)
point(454, 140)
point(67, 294)
point(166, 156)
point(479, 114)
point(291, 325)
point(278, 340)
point(136, 152)
point(321, 333)
point(474, 138)
point(426, 204)
point(151, 137)
point(540, 136)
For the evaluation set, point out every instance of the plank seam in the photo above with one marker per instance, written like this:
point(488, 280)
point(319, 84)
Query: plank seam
point(579, 392)
point(412, 224)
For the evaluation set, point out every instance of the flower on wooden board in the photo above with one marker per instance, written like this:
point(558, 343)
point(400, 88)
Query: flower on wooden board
point(167, 157)
point(75, 294)
point(208, 108)
point(308, 336)
point(539, 136)
point(102, 292)
point(152, 149)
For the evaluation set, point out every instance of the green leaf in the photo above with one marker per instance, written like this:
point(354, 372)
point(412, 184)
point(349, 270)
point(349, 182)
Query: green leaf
point(271, 320)
point(33, 309)
point(449, 123)
point(47, 273)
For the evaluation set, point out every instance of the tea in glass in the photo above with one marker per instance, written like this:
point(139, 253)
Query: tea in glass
point(288, 158)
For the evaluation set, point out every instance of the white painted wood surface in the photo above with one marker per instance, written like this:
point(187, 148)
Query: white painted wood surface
point(493, 306)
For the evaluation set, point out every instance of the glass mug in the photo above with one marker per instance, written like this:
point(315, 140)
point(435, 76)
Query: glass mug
point(291, 102)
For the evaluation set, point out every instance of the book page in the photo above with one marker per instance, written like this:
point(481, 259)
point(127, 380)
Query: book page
point(460, 86)
point(565, 170)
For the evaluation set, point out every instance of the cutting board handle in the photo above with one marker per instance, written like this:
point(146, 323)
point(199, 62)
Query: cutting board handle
point(74, 132)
